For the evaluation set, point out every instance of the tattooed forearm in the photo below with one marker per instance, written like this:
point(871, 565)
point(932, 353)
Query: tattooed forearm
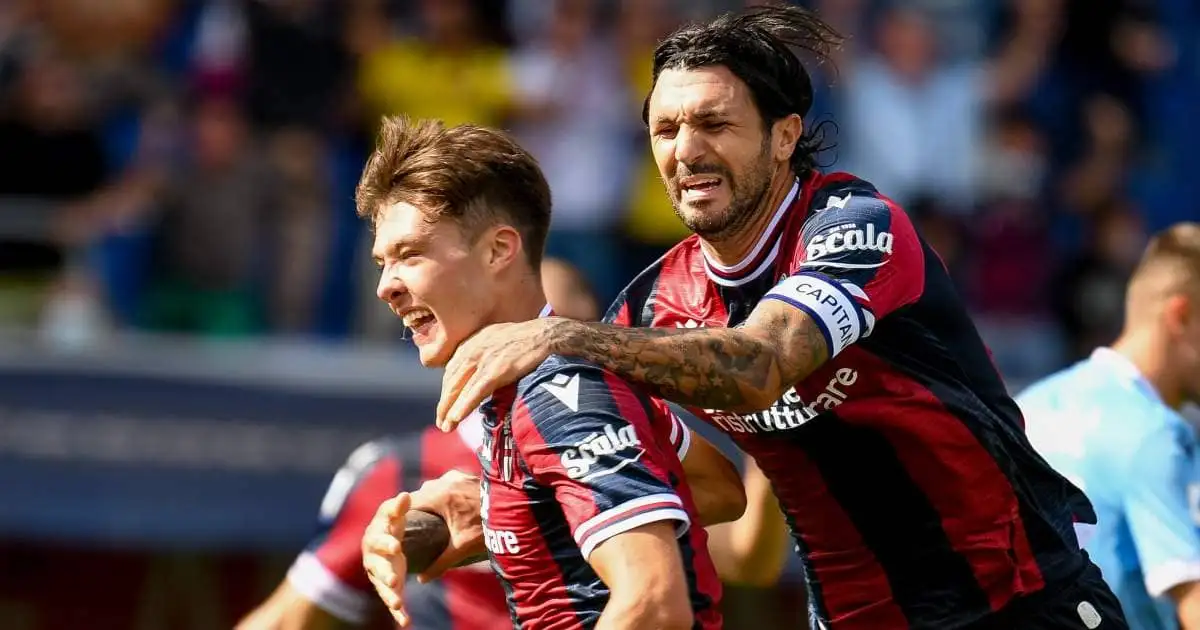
point(744, 369)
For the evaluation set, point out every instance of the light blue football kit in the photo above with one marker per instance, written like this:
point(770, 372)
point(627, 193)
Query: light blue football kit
point(1104, 427)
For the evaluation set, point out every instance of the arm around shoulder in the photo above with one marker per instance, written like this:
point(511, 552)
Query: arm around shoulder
point(742, 369)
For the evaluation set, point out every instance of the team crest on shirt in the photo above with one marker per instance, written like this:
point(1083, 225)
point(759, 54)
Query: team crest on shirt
point(791, 411)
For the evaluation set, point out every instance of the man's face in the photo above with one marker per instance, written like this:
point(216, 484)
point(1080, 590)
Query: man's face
point(711, 148)
point(433, 278)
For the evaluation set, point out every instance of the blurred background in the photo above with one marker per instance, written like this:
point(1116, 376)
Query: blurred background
point(189, 342)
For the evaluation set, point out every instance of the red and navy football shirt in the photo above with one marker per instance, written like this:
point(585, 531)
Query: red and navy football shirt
point(913, 496)
point(573, 456)
point(330, 573)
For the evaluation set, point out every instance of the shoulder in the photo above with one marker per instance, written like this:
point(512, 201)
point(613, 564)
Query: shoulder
point(374, 468)
point(558, 373)
point(1100, 411)
point(1080, 394)
point(1044, 393)
point(841, 199)
point(370, 455)
point(566, 387)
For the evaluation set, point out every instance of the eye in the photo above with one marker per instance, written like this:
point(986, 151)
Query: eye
point(666, 132)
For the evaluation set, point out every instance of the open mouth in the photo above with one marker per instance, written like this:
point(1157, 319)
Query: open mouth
point(699, 185)
point(419, 321)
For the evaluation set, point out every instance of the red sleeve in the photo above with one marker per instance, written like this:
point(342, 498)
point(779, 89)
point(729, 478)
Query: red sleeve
point(587, 435)
point(860, 260)
point(329, 572)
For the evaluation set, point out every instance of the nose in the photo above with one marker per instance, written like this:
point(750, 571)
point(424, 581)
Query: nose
point(390, 287)
point(689, 145)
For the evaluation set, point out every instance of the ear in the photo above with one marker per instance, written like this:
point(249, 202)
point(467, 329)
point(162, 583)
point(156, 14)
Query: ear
point(785, 133)
point(504, 248)
point(1178, 314)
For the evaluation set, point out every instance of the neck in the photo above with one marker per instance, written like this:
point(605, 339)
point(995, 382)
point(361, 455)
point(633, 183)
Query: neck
point(732, 249)
point(522, 302)
point(1148, 353)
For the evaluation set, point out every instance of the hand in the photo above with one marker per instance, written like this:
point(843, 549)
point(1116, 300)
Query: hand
point(382, 554)
point(496, 356)
point(455, 498)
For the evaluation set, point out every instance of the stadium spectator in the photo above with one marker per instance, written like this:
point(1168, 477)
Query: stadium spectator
point(463, 77)
point(571, 70)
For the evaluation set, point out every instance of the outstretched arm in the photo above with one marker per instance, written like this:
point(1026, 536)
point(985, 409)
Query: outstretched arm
point(733, 369)
point(739, 369)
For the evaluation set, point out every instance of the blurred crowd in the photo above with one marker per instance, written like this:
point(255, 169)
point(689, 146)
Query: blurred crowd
point(187, 166)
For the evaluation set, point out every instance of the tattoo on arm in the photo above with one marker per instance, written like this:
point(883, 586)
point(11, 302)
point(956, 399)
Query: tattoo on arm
point(732, 369)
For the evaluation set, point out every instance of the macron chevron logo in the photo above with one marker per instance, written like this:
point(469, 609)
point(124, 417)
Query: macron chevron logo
point(565, 389)
point(837, 202)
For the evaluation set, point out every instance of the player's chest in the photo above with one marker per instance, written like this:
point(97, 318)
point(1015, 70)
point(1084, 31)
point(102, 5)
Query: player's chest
point(832, 389)
point(706, 307)
point(517, 514)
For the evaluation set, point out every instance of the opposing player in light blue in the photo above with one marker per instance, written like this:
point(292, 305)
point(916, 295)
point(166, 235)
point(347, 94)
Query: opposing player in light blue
point(1111, 424)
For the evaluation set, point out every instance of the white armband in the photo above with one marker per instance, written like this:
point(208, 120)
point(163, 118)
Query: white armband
point(831, 306)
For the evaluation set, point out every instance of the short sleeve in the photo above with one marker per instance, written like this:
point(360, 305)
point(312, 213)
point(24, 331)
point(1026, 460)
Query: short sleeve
point(1159, 508)
point(329, 571)
point(588, 436)
point(680, 437)
point(860, 260)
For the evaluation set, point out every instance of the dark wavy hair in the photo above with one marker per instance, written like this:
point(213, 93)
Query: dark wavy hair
point(760, 46)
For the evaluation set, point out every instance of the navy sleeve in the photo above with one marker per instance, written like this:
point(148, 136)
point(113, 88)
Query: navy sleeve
point(859, 259)
point(590, 437)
